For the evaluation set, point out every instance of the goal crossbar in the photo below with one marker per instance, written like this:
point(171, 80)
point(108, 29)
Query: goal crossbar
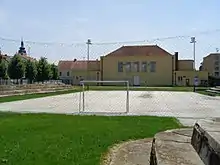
point(98, 81)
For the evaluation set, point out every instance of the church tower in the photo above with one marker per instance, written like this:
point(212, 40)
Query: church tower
point(22, 50)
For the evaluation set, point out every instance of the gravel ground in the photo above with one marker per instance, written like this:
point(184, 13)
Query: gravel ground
point(184, 105)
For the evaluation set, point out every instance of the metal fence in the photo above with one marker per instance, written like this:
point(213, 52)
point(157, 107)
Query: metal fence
point(25, 81)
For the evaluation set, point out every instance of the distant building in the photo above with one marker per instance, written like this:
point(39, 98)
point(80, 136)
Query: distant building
point(211, 63)
point(72, 72)
point(148, 65)
point(22, 50)
point(23, 54)
point(5, 57)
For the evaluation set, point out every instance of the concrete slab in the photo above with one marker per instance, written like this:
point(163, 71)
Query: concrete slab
point(135, 152)
point(183, 105)
point(192, 121)
point(178, 134)
point(173, 147)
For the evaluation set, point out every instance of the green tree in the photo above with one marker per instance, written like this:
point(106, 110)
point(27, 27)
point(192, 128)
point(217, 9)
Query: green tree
point(54, 72)
point(43, 70)
point(3, 69)
point(31, 71)
point(16, 68)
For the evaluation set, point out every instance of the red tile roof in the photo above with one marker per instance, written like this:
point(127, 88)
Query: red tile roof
point(145, 50)
point(27, 57)
point(65, 65)
point(6, 57)
point(78, 65)
point(2, 56)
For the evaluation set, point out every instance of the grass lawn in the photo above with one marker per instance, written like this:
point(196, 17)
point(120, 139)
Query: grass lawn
point(43, 139)
point(35, 95)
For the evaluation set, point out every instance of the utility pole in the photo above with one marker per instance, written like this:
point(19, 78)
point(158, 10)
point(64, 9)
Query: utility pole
point(88, 45)
point(193, 41)
point(87, 69)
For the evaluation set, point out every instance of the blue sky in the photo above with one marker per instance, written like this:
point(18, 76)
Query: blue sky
point(74, 21)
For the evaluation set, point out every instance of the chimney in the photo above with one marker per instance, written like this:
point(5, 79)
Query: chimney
point(176, 61)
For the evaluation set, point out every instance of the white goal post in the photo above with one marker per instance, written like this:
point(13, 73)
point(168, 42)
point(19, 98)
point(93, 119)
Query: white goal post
point(84, 82)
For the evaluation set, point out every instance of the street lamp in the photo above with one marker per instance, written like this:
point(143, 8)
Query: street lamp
point(193, 41)
point(87, 73)
point(88, 44)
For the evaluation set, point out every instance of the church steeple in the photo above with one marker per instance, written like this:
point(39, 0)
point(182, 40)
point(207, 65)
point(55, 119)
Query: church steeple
point(22, 50)
point(22, 43)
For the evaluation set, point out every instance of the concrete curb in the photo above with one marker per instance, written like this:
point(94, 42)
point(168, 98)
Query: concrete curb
point(173, 147)
point(206, 141)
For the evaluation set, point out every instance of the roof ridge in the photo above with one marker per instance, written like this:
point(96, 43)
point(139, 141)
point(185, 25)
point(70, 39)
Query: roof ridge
point(77, 60)
point(140, 45)
point(139, 49)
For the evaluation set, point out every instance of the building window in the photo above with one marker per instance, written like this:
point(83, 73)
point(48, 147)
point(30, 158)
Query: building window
point(68, 73)
point(144, 67)
point(217, 57)
point(136, 67)
point(216, 62)
point(120, 66)
point(128, 66)
point(217, 68)
point(152, 66)
point(217, 74)
point(60, 73)
point(180, 78)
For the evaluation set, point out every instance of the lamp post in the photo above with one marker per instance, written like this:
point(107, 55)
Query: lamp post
point(193, 41)
point(88, 44)
point(87, 69)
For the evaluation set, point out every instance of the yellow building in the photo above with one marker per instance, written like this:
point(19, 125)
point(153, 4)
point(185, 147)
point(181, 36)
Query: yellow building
point(184, 73)
point(148, 65)
point(186, 78)
point(140, 65)
point(211, 63)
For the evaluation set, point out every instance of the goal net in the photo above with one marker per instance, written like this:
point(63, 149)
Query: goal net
point(108, 97)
